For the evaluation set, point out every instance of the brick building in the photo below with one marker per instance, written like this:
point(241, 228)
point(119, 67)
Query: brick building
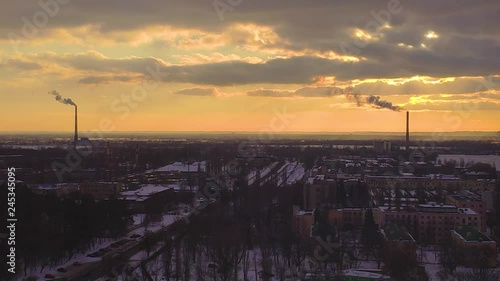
point(473, 248)
point(428, 223)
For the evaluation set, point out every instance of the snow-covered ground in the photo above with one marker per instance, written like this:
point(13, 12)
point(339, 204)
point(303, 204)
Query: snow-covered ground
point(103, 243)
point(138, 218)
point(183, 167)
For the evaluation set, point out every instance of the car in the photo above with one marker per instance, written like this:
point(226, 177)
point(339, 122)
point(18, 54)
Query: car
point(77, 263)
point(62, 269)
point(134, 236)
point(93, 255)
point(49, 276)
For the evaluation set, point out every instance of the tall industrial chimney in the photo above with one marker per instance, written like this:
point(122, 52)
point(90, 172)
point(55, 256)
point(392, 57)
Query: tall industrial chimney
point(76, 127)
point(407, 130)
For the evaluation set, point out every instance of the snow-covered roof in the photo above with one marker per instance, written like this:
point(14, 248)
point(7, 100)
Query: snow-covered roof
point(144, 192)
point(364, 274)
point(183, 167)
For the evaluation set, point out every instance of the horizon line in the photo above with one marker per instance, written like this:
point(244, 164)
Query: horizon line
point(257, 132)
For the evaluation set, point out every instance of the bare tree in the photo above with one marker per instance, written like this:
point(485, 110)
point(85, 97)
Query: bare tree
point(167, 258)
point(449, 258)
point(186, 261)
point(201, 271)
point(479, 274)
point(246, 265)
point(281, 269)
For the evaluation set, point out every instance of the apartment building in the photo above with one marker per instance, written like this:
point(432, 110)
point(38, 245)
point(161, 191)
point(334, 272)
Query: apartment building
point(428, 223)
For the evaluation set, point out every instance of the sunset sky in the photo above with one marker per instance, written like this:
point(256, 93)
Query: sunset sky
point(242, 65)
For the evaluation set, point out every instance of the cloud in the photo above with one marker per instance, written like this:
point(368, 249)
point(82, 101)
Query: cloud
point(107, 79)
point(282, 42)
point(270, 93)
point(293, 70)
point(428, 85)
point(213, 58)
point(21, 64)
point(198, 92)
point(97, 62)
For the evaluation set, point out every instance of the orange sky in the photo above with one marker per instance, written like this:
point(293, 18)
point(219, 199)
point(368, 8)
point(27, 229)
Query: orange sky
point(187, 67)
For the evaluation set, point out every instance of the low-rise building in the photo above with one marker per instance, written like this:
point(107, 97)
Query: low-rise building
point(467, 199)
point(101, 190)
point(319, 190)
point(147, 196)
point(61, 190)
point(302, 222)
point(474, 248)
point(346, 217)
point(433, 182)
point(398, 238)
point(428, 223)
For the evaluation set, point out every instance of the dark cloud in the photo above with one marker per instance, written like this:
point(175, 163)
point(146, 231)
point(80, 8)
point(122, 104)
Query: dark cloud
point(107, 79)
point(468, 42)
point(294, 70)
point(458, 86)
point(22, 64)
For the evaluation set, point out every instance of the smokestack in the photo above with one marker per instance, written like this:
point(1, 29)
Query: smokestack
point(137, 155)
point(76, 127)
point(407, 130)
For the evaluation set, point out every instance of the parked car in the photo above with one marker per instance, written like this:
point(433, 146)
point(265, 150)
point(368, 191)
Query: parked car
point(49, 276)
point(134, 236)
point(77, 263)
point(62, 269)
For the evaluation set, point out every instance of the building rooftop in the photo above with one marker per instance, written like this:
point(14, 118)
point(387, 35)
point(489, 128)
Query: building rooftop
point(471, 234)
point(304, 213)
point(438, 208)
point(394, 232)
point(144, 192)
point(364, 274)
point(183, 167)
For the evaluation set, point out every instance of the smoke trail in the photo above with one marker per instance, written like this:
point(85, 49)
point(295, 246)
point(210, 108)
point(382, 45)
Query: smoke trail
point(60, 99)
point(377, 103)
point(353, 96)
